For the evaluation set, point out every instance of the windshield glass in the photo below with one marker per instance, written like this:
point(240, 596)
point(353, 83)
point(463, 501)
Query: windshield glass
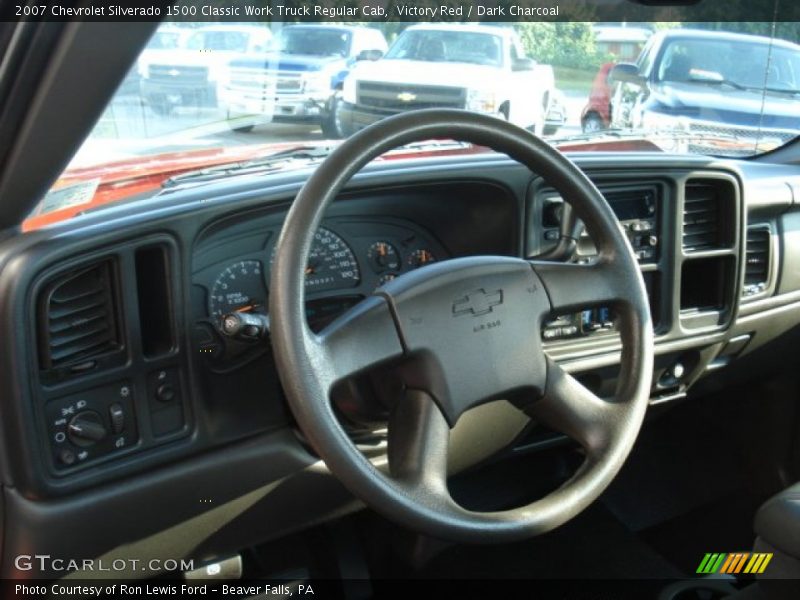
point(741, 63)
point(314, 41)
point(449, 46)
point(233, 41)
point(220, 98)
point(164, 40)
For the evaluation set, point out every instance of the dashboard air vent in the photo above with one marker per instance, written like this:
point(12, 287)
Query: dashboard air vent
point(78, 319)
point(701, 218)
point(757, 261)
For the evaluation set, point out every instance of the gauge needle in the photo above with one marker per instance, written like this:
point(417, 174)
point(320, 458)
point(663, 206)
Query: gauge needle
point(247, 308)
point(309, 270)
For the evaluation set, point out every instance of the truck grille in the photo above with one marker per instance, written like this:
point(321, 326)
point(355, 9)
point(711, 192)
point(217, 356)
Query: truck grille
point(391, 98)
point(178, 74)
point(257, 79)
point(745, 141)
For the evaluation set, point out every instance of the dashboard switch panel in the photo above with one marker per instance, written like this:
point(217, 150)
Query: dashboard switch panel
point(166, 402)
point(97, 423)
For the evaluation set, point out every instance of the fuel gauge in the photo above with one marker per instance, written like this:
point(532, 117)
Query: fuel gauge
point(383, 257)
point(420, 258)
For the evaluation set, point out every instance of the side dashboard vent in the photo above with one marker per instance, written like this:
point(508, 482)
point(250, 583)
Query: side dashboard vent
point(702, 217)
point(757, 260)
point(79, 319)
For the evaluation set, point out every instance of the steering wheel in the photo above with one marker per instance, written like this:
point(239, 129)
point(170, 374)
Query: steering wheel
point(459, 333)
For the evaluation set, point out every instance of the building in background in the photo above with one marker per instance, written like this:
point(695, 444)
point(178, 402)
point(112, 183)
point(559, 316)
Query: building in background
point(622, 42)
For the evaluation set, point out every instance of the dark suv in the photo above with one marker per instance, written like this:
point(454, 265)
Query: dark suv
point(676, 84)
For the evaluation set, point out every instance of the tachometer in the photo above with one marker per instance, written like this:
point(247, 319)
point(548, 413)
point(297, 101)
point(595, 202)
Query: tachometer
point(240, 287)
point(331, 263)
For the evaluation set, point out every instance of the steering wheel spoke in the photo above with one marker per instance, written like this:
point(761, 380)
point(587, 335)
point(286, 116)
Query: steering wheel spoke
point(567, 406)
point(572, 287)
point(419, 438)
point(361, 338)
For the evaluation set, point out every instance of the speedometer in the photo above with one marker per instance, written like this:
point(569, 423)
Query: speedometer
point(331, 263)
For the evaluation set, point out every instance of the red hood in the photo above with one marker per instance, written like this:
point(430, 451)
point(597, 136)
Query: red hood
point(113, 181)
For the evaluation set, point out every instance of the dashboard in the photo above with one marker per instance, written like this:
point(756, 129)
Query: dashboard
point(126, 388)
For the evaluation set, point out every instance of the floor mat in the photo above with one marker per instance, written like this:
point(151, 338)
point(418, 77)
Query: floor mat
point(724, 526)
point(594, 545)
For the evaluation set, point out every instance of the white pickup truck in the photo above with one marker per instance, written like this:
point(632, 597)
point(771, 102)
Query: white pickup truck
point(490, 74)
point(186, 67)
point(299, 80)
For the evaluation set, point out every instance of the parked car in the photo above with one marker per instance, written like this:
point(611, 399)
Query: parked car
point(596, 115)
point(302, 79)
point(166, 39)
point(743, 87)
point(191, 73)
point(480, 68)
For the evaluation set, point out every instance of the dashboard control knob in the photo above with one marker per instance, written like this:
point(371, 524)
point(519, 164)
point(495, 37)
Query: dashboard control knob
point(165, 393)
point(67, 457)
point(86, 429)
point(652, 240)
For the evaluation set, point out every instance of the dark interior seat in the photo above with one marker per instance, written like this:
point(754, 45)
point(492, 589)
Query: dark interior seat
point(777, 525)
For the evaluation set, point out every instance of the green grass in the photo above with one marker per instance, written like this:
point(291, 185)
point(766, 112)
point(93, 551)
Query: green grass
point(570, 79)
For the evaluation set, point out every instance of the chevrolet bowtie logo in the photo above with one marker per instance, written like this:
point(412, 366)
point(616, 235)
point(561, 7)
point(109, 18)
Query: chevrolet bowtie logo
point(477, 303)
point(406, 97)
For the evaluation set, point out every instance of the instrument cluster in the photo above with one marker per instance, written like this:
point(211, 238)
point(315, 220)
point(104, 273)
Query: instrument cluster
point(348, 260)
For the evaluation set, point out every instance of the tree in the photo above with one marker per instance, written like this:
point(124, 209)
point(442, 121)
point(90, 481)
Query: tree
point(562, 44)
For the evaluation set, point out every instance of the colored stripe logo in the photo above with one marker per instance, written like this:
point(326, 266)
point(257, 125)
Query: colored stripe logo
point(734, 563)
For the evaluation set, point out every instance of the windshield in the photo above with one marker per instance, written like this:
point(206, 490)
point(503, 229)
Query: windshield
point(448, 46)
point(740, 63)
point(164, 40)
point(220, 40)
point(222, 98)
point(314, 41)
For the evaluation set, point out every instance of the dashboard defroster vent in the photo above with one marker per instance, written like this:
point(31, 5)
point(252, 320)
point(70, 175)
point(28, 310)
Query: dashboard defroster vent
point(757, 260)
point(701, 218)
point(78, 319)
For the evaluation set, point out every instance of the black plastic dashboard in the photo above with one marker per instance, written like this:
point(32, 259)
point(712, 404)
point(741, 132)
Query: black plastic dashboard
point(166, 401)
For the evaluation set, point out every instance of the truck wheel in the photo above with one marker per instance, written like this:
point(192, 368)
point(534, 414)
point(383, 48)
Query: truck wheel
point(234, 126)
point(592, 123)
point(241, 128)
point(550, 129)
point(332, 126)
